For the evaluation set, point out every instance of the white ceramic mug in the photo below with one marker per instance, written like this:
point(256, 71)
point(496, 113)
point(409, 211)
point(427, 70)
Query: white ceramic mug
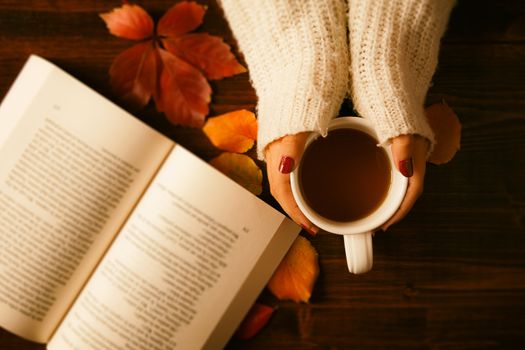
point(357, 234)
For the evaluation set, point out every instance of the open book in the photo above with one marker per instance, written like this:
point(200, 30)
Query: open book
point(111, 235)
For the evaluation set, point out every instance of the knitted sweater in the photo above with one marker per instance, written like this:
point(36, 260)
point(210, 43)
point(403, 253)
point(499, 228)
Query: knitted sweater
point(302, 64)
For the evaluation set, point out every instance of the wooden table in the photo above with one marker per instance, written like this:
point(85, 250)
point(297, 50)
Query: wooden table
point(452, 274)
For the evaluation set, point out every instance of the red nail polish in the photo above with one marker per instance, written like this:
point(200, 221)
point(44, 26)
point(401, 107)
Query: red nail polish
point(405, 167)
point(286, 165)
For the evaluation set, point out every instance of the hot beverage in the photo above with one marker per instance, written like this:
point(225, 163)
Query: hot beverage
point(345, 184)
point(345, 176)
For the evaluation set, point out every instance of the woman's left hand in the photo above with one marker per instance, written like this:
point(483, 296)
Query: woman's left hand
point(410, 157)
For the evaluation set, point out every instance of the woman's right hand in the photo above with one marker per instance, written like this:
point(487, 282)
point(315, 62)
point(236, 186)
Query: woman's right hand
point(282, 156)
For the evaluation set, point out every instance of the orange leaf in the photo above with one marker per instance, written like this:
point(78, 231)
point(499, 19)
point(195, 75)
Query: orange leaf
point(241, 169)
point(184, 93)
point(181, 18)
point(255, 320)
point(207, 52)
point(133, 74)
point(233, 132)
point(447, 130)
point(295, 277)
point(129, 22)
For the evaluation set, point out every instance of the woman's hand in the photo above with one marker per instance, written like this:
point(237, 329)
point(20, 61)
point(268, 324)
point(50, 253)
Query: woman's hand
point(410, 157)
point(282, 156)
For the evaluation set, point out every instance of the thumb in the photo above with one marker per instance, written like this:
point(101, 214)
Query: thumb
point(402, 151)
point(290, 151)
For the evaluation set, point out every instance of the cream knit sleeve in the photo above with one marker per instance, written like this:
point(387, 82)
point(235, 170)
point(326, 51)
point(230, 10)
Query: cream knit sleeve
point(393, 51)
point(297, 56)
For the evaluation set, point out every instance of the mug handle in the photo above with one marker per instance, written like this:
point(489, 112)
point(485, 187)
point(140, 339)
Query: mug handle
point(359, 253)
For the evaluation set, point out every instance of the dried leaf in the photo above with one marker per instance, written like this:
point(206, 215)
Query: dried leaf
point(447, 131)
point(133, 74)
point(207, 52)
point(181, 18)
point(255, 320)
point(241, 169)
point(147, 70)
point(183, 93)
point(233, 132)
point(295, 277)
point(129, 22)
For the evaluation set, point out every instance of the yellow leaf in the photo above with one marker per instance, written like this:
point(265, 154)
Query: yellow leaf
point(295, 277)
point(241, 169)
point(447, 131)
point(233, 132)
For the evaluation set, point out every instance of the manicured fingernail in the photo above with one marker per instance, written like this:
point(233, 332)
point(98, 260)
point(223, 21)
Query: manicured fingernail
point(405, 167)
point(286, 165)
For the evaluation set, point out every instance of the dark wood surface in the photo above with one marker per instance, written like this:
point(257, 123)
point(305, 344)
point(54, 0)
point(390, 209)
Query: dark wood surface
point(452, 274)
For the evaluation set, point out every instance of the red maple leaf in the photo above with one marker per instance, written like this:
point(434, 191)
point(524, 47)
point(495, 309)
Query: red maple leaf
point(169, 64)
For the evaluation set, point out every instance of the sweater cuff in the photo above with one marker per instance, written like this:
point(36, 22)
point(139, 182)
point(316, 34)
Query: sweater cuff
point(394, 49)
point(297, 57)
point(290, 106)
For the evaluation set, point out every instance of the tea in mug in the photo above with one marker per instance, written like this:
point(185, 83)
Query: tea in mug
point(344, 176)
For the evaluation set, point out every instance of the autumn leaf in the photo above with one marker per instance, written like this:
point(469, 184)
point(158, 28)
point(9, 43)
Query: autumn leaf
point(233, 132)
point(181, 18)
point(170, 64)
point(134, 73)
point(241, 169)
point(295, 276)
point(129, 22)
point(210, 53)
point(447, 131)
point(254, 321)
point(184, 93)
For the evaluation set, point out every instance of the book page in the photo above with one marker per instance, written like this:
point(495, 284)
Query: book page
point(188, 264)
point(72, 167)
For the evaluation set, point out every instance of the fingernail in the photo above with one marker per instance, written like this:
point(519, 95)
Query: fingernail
point(286, 165)
point(405, 167)
point(312, 231)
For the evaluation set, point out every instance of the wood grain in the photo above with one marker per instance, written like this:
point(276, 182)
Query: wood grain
point(452, 274)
